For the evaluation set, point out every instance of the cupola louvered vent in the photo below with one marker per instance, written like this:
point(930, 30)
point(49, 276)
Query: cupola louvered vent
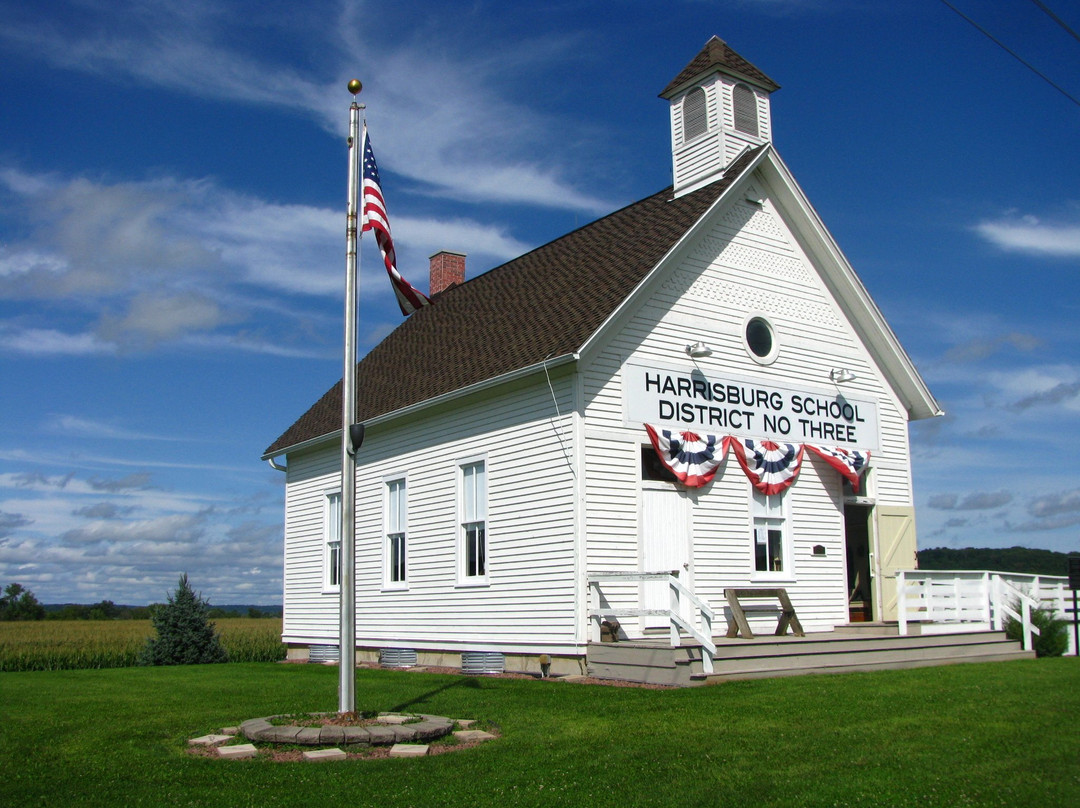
point(695, 114)
point(745, 103)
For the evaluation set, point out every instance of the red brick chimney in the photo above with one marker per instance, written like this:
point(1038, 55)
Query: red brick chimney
point(447, 269)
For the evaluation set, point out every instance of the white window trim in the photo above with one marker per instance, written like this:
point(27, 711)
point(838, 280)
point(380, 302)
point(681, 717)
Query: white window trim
point(331, 516)
point(787, 574)
point(774, 351)
point(389, 584)
point(464, 580)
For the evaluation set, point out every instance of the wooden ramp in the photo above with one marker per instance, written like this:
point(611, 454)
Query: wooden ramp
point(861, 647)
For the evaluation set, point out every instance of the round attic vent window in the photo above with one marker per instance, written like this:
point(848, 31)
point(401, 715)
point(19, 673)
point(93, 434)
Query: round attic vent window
point(760, 340)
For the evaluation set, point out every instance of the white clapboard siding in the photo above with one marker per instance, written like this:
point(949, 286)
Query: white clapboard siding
point(529, 599)
point(746, 262)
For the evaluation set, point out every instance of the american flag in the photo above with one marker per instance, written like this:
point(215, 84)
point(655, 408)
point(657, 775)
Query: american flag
point(375, 218)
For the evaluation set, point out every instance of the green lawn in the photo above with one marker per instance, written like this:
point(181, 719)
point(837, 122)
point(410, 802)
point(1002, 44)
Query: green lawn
point(987, 734)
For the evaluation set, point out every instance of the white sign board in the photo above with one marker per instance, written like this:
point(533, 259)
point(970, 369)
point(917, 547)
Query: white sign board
point(728, 405)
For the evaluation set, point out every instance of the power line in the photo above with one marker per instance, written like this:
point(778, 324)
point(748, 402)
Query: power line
point(1011, 52)
point(1056, 19)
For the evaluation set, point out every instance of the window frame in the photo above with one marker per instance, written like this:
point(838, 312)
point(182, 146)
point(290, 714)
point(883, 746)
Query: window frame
point(769, 514)
point(331, 546)
point(774, 348)
point(395, 529)
point(472, 511)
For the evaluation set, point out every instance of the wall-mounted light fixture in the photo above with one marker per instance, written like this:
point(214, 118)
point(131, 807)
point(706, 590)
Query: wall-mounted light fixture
point(698, 350)
point(841, 375)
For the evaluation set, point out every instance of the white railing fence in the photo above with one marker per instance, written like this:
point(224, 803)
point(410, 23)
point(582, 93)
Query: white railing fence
point(683, 602)
point(973, 599)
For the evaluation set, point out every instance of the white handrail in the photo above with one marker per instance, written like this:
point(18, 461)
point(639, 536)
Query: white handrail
point(1007, 592)
point(983, 597)
point(674, 614)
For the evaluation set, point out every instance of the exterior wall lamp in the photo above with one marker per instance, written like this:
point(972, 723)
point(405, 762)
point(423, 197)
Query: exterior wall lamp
point(698, 350)
point(841, 375)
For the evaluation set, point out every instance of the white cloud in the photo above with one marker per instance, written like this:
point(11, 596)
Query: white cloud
point(78, 426)
point(50, 342)
point(455, 130)
point(1030, 235)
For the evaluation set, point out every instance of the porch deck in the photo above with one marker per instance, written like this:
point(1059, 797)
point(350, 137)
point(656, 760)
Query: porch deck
point(856, 647)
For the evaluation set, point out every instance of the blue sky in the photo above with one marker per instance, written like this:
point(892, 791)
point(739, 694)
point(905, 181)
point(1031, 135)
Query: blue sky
point(172, 188)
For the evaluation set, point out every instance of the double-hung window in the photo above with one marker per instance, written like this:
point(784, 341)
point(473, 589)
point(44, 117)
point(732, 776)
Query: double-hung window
point(473, 565)
point(332, 542)
point(397, 510)
point(772, 553)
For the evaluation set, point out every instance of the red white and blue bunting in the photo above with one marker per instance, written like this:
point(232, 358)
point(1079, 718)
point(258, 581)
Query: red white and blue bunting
point(771, 466)
point(691, 458)
point(851, 463)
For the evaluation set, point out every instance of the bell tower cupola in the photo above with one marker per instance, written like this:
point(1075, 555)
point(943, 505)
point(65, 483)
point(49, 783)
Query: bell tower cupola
point(719, 106)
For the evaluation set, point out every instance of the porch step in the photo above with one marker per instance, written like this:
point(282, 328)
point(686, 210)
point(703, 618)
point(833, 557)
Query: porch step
point(830, 652)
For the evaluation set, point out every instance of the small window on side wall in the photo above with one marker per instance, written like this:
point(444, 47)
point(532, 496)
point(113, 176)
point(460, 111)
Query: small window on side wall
point(473, 555)
point(396, 520)
point(332, 542)
point(695, 114)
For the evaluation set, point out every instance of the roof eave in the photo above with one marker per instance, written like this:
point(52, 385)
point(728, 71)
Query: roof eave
point(546, 364)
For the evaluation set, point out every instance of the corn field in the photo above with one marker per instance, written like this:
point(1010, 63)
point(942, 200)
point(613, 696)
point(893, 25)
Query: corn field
point(51, 645)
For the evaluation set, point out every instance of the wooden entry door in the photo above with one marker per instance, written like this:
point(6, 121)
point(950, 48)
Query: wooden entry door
point(859, 581)
point(666, 527)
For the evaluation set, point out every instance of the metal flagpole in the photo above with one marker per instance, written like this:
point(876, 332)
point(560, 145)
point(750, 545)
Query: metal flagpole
point(347, 559)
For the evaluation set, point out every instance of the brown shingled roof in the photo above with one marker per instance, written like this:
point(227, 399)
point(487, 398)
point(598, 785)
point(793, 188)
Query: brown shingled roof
point(543, 304)
point(717, 53)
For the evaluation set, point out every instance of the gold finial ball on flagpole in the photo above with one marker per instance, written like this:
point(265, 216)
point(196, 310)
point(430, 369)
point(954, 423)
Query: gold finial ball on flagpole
point(355, 86)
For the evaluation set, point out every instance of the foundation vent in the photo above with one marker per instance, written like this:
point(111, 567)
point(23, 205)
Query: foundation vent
point(323, 653)
point(482, 662)
point(397, 657)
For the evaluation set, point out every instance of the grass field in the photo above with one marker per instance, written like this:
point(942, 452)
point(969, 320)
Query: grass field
point(985, 734)
point(44, 645)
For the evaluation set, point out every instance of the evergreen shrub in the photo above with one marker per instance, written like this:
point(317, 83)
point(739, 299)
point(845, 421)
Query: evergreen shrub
point(1053, 636)
point(185, 635)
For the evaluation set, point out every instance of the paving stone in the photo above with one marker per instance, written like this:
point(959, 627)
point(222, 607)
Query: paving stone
point(277, 735)
point(237, 751)
point(308, 736)
point(230, 731)
point(331, 734)
point(406, 734)
point(382, 735)
point(393, 718)
point(318, 755)
point(430, 730)
point(209, 740)
point(465, 723)
point(355, 735)
point(254, 728)
point(408, 750)
point(473, 735)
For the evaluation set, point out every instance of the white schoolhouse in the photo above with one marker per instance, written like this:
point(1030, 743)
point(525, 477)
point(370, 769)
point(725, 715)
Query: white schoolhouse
point(697, 384)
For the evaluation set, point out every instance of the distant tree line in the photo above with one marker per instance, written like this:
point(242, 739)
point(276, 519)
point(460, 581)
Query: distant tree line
point(1000, 559)
point(19, 603)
